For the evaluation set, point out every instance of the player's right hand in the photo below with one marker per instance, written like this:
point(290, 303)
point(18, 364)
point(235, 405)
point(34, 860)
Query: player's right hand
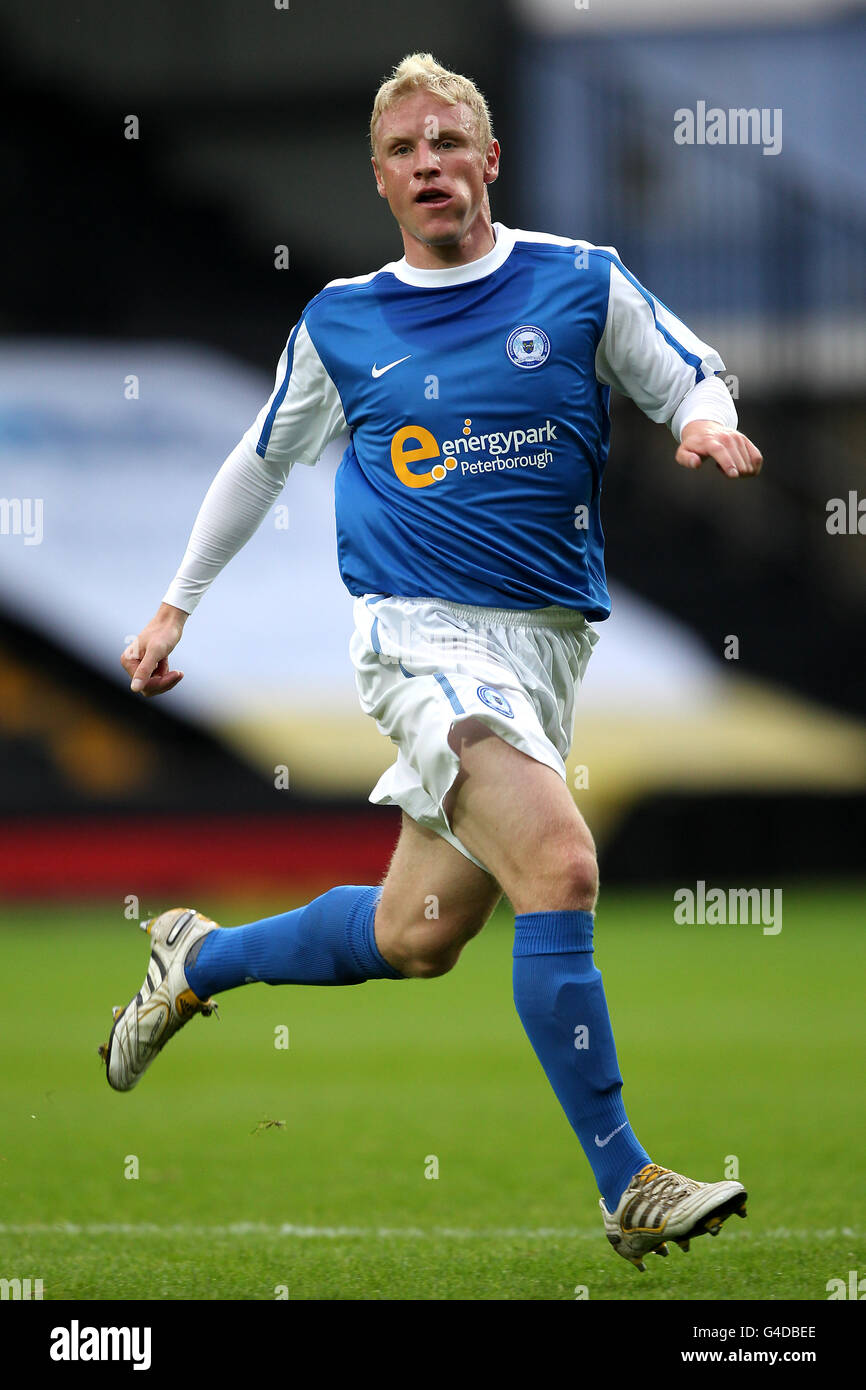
point(145, 660)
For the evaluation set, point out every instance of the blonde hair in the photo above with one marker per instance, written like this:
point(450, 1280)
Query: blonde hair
point(420, 72)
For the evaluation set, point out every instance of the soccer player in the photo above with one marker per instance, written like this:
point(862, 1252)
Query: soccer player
point(473, 377)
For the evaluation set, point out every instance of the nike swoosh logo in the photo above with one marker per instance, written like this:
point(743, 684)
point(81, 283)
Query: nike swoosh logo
point(601, 1142)
point(380, 371)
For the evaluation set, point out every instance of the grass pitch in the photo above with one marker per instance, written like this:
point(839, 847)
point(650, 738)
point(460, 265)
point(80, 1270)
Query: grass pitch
point(255, 1171)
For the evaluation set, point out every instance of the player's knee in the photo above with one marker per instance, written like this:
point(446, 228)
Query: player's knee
point(580, 879)
point(430, 964)
point(564, 880)
point(425, 953)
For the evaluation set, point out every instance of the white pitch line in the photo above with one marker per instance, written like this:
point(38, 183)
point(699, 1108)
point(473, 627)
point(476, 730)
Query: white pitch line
point(263, 1228)
point(286, 1229)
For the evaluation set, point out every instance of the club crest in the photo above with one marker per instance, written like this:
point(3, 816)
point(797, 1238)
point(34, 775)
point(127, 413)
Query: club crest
point(495, 700)
point(528, 346)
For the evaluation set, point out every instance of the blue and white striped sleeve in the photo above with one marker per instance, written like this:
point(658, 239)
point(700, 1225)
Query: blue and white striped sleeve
point(647, 353)
point(304, 411)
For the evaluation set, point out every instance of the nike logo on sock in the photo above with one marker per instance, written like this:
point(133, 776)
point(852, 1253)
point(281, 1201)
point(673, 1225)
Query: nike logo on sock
point(601, 1142)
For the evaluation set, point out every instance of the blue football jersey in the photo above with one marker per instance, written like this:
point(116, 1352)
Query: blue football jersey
point(477, 405)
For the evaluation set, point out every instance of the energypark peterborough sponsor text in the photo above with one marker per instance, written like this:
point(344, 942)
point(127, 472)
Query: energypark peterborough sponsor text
point(414, 444)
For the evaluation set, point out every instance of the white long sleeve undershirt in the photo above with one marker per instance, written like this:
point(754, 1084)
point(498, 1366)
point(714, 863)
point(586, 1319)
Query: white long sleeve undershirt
point(709, 400)
point(234, 506)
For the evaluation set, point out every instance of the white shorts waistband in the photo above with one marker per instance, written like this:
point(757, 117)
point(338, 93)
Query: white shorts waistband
point(553, 616)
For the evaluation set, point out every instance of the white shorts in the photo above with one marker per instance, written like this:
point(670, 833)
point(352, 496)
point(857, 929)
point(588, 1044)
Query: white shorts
point(422, 665)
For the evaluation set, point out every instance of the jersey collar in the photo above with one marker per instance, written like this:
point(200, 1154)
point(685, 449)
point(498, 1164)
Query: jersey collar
point(458, 274)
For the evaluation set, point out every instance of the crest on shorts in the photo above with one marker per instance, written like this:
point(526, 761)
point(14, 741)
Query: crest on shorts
point(528, 346)
point(494, 699)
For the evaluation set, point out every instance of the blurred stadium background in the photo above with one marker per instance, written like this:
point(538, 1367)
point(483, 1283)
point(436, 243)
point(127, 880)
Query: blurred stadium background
point(153, 259)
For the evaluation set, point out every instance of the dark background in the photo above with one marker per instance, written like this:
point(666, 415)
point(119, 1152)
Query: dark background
point(253, 128)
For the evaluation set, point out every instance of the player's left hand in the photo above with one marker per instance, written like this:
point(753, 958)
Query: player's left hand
point(734, 454)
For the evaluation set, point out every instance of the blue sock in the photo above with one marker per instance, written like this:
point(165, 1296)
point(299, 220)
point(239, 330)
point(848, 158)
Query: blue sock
point(329, 942)
point(560, 999)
